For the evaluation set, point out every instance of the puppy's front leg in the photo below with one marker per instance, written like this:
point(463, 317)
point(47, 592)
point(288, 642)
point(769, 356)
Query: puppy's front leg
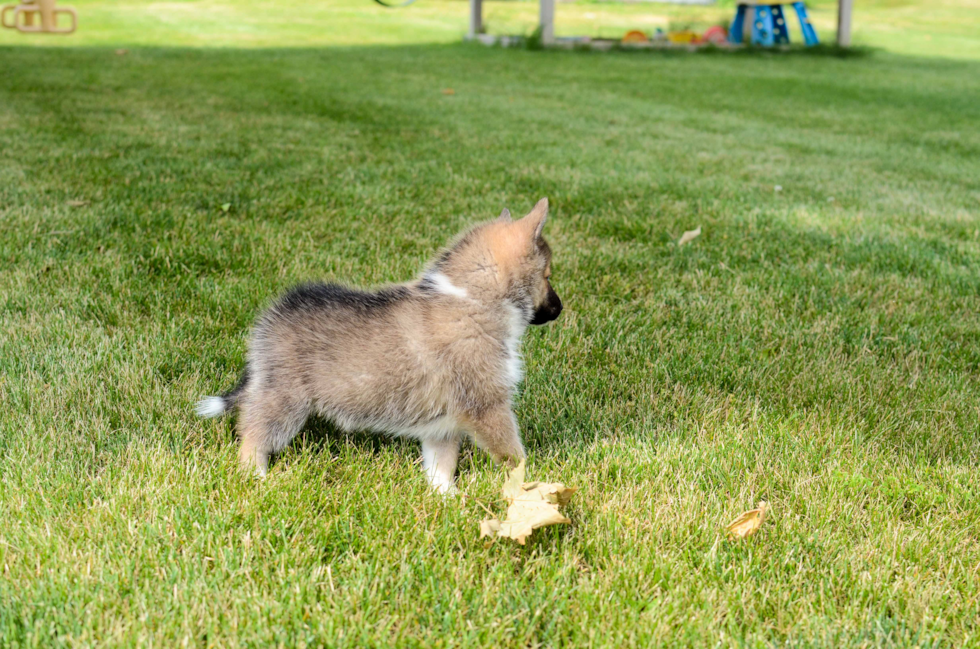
point(495, 431)
point(439, 457)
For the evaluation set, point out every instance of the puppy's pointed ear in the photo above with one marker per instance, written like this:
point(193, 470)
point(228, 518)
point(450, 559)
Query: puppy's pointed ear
point(505, 216)
point(533, 223)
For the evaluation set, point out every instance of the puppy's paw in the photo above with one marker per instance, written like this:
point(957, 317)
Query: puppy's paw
point(443, 486)
point(449, 491)
point(510, 460)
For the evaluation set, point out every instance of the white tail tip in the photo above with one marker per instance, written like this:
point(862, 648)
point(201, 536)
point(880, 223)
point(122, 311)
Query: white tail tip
point(210, 407)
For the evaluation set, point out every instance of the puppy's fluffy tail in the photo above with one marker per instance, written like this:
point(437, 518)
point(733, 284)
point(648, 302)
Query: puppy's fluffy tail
point(216, 406)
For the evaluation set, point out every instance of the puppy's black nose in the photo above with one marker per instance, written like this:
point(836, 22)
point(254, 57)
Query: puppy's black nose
point(549, 310)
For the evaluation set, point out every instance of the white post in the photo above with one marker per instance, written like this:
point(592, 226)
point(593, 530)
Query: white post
point(547, 22)
point(844, 22)
point(476, 19)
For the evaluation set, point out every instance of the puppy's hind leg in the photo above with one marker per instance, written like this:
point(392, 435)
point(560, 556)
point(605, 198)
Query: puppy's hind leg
point(495, 431)
point(439, 457)
point(267, 425)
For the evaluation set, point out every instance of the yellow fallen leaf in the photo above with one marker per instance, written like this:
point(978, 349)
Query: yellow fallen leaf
point(748, 523)
point(689, 236)
point(532, 505)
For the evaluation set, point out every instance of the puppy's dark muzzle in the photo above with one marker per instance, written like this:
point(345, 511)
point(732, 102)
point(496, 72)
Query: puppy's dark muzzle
point(548, 311)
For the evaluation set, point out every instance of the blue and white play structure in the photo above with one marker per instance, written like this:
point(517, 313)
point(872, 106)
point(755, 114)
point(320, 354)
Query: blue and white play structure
point(769, 24)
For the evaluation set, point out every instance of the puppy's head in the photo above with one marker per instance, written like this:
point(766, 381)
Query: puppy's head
point(505, 258)
point(524, 259)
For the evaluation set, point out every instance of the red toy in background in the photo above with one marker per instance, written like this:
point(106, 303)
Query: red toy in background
point(716, 35)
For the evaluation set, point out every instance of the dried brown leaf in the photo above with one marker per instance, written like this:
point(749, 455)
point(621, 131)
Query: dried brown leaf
point(532, 505)
point(689, 236)
point(748, 523)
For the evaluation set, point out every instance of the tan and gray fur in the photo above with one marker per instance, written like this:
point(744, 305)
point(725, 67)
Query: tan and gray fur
point(437, 359)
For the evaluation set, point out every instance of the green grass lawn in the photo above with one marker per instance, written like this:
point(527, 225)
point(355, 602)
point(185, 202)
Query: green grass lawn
point(817, 347)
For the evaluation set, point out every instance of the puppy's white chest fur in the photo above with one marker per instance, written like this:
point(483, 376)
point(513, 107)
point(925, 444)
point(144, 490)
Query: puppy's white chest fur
point(513, 363)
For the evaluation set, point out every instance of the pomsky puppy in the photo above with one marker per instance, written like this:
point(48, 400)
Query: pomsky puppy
point(436, 359)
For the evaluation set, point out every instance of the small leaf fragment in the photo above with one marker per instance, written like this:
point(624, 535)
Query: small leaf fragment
point(79, 203)
point(532, 505)
point(489, 527)
point(514, 485)
point(689, 236)
point(748, 523)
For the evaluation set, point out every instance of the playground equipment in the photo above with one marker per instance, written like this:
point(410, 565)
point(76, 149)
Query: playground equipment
point(635, 37)
point(22, 17)
point(546, 21)
point(769, 24)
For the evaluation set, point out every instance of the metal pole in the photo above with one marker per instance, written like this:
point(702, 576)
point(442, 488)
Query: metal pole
point(547, 22)
point(476, 19)
point(844, 22)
